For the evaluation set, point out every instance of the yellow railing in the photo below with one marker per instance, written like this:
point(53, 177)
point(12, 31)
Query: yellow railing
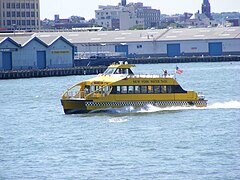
point(98, 93)
point(74, 94)
point(84, 95)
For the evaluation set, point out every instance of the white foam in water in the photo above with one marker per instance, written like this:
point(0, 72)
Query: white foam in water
point(150, 108)
point(118, 120)
point(225, 105)
point(127, 109)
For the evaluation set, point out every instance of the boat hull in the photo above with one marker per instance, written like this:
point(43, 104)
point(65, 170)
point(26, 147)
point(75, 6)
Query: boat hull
point(75, 106)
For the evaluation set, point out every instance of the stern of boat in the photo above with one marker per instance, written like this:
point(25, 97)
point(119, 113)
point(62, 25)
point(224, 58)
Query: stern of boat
point(73, 100)
point(201, 102)
point(74, 106)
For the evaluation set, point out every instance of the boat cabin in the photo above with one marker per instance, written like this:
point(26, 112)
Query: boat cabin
point(119, 69)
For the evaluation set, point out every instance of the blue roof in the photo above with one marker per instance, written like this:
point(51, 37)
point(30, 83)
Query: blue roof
point(22, 41)
point(63, 39)
point(34, 39)
point(10, 40)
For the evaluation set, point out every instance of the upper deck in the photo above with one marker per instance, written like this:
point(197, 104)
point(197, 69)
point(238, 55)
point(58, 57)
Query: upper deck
point(123, 69)
point(118, 81)
point(117, 72)
point(121, 65)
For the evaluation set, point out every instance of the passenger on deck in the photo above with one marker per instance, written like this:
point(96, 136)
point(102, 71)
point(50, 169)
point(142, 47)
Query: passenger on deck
point(165, 73)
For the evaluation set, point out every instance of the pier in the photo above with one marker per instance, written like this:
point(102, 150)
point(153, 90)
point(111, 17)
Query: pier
point(90, 70)
point(182, 59)
point(51, 72)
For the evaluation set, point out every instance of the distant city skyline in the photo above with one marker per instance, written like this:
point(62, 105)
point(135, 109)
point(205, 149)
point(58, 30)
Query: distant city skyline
point(87, 8)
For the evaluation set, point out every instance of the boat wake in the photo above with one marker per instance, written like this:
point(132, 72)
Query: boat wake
point(225, 105)
point(152, 109)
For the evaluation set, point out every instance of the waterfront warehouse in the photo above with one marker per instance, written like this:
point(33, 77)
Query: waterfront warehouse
point(42, 50)
point(30, 52)
point(219, 41)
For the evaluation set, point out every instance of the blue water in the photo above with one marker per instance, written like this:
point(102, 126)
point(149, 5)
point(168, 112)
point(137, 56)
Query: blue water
point(37, 141)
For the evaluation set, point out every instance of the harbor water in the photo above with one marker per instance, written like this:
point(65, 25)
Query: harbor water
point(38, 141)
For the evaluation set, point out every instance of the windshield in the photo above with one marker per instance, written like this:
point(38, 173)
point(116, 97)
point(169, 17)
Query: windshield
point(109, 71)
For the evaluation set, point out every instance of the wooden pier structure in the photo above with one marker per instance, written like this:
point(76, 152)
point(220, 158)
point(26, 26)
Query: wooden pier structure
point(153, 60)
point(88, 70)
point(51, 72)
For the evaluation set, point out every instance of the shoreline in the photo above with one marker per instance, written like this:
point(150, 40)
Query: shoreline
point(91, 70)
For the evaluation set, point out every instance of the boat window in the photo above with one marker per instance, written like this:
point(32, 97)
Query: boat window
point(130, 71)
point(124, 89)
point(169, 89)
point(97, 89)
point(123, 71)
point(117, 71)
point(106, 90)
point(118, 89)
point(143, 89)
point(163, 89)
point(137, 89)
point(157, 89)
point(178, 89)
point(150, 89)
point(109, 71)
point(87, 89)
point(92, 88)
point(130, 89)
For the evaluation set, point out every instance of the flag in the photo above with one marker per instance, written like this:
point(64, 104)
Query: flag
point(178, 70)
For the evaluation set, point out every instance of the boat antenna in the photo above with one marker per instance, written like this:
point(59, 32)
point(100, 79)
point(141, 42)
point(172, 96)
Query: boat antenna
point(175, 73)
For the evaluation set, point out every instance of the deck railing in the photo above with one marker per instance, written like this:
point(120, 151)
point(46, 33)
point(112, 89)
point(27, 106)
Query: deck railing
point(71, 94)
point(99, 92)
point(74, 94)
point(150, 76)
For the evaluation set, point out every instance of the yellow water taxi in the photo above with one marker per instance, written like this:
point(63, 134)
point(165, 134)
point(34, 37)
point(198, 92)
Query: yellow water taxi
point(118, 86)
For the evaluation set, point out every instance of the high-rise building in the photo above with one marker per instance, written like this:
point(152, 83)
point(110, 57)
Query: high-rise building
point(132, 15)
point(152, 17)
point(117, 17)
point(56, 18)
point(206, 8)
point(124, 2)
point(20, 14)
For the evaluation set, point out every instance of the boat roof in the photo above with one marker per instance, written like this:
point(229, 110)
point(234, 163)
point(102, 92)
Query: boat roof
point(123, 66)
point(106, 79)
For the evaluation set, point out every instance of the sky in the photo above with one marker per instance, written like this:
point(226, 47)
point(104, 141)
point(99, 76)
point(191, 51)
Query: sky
point(86, 8)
